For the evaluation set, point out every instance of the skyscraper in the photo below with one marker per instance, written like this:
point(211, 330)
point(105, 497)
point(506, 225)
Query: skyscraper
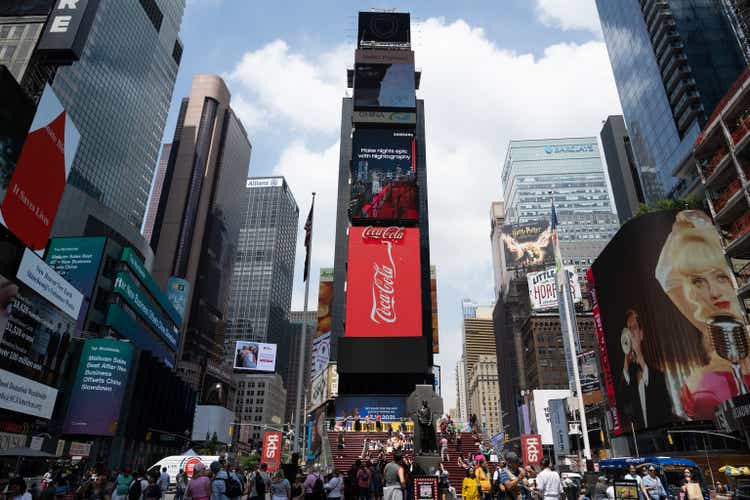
point(262, 280)
point(571, 170)
point(21, 25)
point(200, 214)
point(382, 216)
point(622, 168)
point(673, 60)
point(156, 192)
point(118, 95)
point(738, 12)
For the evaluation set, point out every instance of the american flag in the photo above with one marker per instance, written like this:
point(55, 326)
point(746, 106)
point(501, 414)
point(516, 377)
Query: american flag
point(556, 246)
point(308, 241)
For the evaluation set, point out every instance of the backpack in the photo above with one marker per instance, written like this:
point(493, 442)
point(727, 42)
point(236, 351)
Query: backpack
point(318, 490)
point(260, 485)
point(233, 487)
point(135, 490)
point(152, 491)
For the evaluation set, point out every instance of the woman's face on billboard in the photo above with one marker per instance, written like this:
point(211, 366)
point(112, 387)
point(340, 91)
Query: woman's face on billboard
point(712, 292)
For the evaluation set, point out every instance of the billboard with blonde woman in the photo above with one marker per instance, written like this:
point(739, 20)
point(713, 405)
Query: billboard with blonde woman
point(673, 338)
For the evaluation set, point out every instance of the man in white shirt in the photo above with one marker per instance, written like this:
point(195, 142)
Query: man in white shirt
point(548, 482)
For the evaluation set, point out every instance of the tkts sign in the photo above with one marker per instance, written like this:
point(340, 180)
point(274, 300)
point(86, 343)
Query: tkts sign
point(531, 444)
point(383, 283)
point(272, 450)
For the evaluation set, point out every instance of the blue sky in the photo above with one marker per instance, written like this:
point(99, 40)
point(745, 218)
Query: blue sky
point(491, 71)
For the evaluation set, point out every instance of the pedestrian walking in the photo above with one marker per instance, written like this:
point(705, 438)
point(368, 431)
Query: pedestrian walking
point(122, 483)
point(280, 487)
point(394, 479)
point(470, 486)
point(314, 484)
point(548, 482)
point(181, 481)
point(153, 490)
point(363, 482)
point(335, 486)
point(444, 449)
point(218, 482)
point(163, 482)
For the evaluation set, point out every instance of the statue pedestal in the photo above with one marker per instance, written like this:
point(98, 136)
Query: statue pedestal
point(426, 464)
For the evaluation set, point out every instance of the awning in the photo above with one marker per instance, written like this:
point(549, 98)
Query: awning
point(26, 452)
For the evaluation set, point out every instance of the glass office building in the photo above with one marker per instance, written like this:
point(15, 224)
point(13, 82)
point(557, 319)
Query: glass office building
point(570, 169)
point(118, 94)
point(673, 60)
point(261, 295)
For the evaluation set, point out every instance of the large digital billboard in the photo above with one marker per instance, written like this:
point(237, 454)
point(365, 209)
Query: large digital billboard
point(433, 300)
point(384, 86)
point(384, 175)
point(672, 335)
point(390, 408)
point(383, 292)
point(528, 244)
point(78, 261)
point(38, 311)
point(99, 387)
point(37, 183)
point(254, 356)
point(383, 28)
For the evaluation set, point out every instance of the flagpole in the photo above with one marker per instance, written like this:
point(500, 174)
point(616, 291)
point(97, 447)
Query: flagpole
point(303, 351)
point(571, 327)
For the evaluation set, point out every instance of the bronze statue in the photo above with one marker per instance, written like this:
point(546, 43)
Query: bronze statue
point(425, 440)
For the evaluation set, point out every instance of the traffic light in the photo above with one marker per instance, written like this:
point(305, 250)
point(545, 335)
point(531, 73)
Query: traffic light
point(148, 436)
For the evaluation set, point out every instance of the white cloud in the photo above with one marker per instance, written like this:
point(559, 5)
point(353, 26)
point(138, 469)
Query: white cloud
point(477, 96)
point(569, 14)
point(292, 88)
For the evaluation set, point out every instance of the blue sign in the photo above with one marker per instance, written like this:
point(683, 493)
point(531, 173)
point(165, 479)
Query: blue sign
point(390, 408)
point(178, 291)
point(569, 148)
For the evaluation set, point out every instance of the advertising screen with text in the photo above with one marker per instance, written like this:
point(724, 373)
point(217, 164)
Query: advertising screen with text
point(672, 334)
point(383, 293)
point(384, 175)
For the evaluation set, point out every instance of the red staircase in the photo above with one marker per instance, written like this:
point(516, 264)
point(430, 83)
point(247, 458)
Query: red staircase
point(354, 443)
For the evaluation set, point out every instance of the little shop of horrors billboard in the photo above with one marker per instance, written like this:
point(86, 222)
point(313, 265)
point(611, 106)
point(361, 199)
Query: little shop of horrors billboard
point(668, 320)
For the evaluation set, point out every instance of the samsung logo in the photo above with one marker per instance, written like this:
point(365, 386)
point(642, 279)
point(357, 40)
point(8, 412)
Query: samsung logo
point(570, 148)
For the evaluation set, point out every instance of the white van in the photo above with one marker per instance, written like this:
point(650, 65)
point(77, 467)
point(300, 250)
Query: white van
point(176, 463)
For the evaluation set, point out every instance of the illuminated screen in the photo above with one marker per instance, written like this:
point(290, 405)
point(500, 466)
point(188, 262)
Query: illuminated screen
point(665, 308)
point(381, 85)
point(384, 175)
point(383, 293)
point(255, 356)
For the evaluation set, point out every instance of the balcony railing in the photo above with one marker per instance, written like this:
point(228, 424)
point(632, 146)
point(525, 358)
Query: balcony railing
point(742, 127)
point(711, 165)
point(725, 195)
point(740, 226)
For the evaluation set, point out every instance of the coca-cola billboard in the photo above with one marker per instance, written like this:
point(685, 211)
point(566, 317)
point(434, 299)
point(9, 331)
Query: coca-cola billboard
point(383, 283)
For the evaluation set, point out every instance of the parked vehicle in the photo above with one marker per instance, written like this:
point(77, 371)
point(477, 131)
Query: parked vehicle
point(176, 463)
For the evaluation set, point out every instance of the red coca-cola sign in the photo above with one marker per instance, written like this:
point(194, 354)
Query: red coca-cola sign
point(383, 294)
point(391, 233)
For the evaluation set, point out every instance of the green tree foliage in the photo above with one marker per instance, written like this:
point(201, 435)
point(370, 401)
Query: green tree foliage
point(689, 203)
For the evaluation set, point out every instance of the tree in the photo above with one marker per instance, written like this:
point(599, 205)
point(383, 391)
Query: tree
point(690, 203)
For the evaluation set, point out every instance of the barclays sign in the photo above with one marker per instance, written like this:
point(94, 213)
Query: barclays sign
point(570, 148)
